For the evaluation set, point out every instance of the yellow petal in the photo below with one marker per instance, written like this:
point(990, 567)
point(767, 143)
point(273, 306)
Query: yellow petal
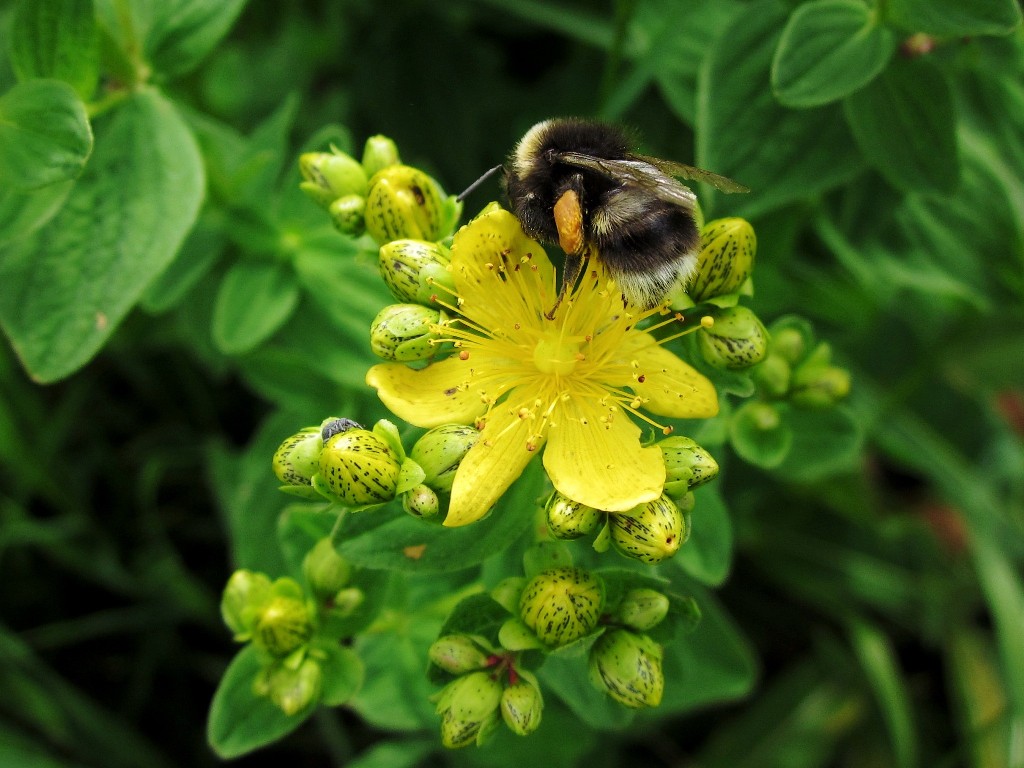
point(495, 241)
point(601, 463)
point(491, 466)
point(670, 387)
point(428, 397)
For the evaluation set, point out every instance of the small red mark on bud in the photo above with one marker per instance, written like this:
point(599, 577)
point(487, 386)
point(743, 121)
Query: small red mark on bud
point(641, 378)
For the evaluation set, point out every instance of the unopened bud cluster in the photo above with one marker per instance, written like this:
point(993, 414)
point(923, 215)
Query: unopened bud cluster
point(800, 370)
point(438, 453)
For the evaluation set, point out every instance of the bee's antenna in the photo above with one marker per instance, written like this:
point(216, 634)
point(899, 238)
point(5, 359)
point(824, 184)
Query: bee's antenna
point(472, 187)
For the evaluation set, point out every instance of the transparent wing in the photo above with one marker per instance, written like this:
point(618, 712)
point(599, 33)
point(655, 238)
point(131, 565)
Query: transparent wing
point(639, 172)
point(682, 171)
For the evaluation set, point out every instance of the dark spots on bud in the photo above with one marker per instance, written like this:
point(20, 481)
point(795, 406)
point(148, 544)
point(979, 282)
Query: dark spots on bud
point(418, 194)
point(451, 391)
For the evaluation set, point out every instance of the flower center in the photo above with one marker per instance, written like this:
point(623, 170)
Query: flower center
point(555, 354)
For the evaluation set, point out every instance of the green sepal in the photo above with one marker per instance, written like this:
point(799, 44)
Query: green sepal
point(604, 538)
point(514, 635)
point(306, 492)
point(409, 476)
point(388, 432)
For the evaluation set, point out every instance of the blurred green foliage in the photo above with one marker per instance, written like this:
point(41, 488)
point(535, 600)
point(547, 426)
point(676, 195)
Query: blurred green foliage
point(186, 307)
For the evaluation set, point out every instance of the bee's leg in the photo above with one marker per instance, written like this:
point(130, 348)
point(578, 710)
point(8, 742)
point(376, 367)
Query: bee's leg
point(568, 213)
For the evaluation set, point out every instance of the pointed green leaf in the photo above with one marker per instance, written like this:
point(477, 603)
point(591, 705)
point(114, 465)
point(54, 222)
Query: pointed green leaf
point(707, 555)
point(829, 49)
point(185, 31)
point(68, 286)
point(56, 39)
point(955, 18)
point(905, 127)
point(45, 136)
point(255, 299)
point(22, 213)
point(343, 674)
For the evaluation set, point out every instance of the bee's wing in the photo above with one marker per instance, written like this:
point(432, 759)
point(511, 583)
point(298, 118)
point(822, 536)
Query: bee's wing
point(680, 170)
point(634, 171)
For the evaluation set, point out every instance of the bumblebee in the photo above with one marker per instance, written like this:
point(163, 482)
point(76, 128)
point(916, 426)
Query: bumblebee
point(576, 183)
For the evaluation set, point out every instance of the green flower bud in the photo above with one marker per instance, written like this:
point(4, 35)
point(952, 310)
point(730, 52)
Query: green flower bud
point(562, 605)
point(468, 705)
point(349, 214)
point(359, 468)
point(421, 502)
point(522, 706)
point(244, 597)
point(642, 609)
point(568, 519)
point(627, 667)
point(291, 689)
point(405, 332)
point(295, 460)
point(378, 153)
point(404, 202)
point(457, 654)
point(726, 258)
point(513, 635)
point(415, 270)
point(283, 626)
point(345, 602)
point(325, 570)
point(736, 340)
point(650, 532)
point(790, 344)
point(772, 374)
point(820, 387)
point(440, 451)
point(507, 591)
point(330, 175)
point(687, 464)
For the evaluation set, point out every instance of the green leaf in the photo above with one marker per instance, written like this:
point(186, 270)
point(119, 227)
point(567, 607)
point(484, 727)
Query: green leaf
point(343, 675)
point(394, 754)
point(824, 442)
point(202, 248)
point(797, 154)
point(56, 39)
point(22, 213)
point(880, 665)
point(829, 49)
point(255, 299)
point(707, 556)
point(185, 31)
point(904, 124)
point(761, 434)
point(955, 18)
point(45, 136)
point(68, 286)
point(393, 540)
point(240, 721)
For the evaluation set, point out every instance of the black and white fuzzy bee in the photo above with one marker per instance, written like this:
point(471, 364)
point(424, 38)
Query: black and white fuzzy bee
point(576, 183)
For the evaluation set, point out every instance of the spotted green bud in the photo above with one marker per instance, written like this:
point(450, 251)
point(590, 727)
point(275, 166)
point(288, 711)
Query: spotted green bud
point(727, 248)
point(330, 175)
point(687, 464)
point(820, 387)
point(325, 570)
point(457, 654)
point(283, 626)
point(295, 460)
point(650, 532)
point(522, 705)
point(415, 270)
point(244, 597)
point(378, 153)
point(405, 332)
point(568, 519)
point(627, 666)
point(292, 689)
point(421, 502)
point(440, 452)
point(736, 340)
point(562, 605)
point(349, 214)
point(403, 202)
point(359, 468)
point(507, 591)
point(642, 609)
point(468, 706)
point(773, 374)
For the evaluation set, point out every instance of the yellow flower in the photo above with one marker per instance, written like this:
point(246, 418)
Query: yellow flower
point(525, 380)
